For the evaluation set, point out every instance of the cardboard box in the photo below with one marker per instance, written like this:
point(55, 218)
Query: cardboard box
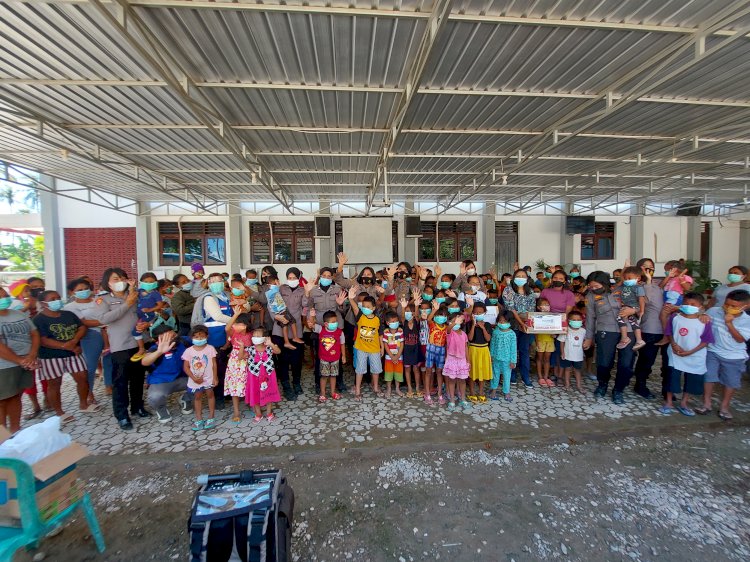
point(547, 323)
point(57, 482)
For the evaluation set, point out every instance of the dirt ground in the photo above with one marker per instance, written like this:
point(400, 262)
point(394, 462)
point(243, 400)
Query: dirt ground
point(678, 492)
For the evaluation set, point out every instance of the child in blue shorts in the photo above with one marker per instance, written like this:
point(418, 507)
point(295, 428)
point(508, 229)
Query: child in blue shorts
point(726, 357)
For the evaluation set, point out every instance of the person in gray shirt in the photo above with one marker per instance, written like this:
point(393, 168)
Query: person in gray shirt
point(117, 311)
point(602, 310)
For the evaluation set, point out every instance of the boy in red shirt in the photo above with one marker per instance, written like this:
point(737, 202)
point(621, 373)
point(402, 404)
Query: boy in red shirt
point(331, 348)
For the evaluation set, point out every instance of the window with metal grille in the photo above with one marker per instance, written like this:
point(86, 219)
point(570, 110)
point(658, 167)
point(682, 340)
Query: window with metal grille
point(293, 242)
point(202, 242)
point(600, 244)
point(338, 238)
point(448, 241)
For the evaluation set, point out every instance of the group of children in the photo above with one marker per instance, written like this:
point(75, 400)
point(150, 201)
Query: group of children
point(437, 341)
point(422, 338)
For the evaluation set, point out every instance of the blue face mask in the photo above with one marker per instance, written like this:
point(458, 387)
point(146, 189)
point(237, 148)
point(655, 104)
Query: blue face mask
point(366, 311)
point(55, 306)
point(200, 342)
point(384, 284)
point(332, 326)
point(479, 317)
point(504, 326)
point(187, 286)
point(548, 275)
point(408, 315)
point(575, 324)
point(5, 303)
point(84, 294)
point(324, 282)
point(393, 325)
point(237, 292)
point(426, 297)
point(574, 274)
point(689, 309)
point(445, 284)
point(149, 286)
point(408, 279)
point(454, 310)
point(440, 320)
point(734, 278)
point(520, 281)
point(216, 287)
point(456, 327)
point(630, 282)
point(440, 300)
point(492, 301)
point(251, 282)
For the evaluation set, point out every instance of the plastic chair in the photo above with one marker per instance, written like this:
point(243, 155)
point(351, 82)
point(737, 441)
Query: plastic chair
point(32, 528)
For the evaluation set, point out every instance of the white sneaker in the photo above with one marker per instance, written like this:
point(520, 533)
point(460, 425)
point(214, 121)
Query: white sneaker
point(185, 406)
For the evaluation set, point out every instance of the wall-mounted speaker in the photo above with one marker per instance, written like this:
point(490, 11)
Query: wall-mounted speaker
point(322, 227)
point(413, 227)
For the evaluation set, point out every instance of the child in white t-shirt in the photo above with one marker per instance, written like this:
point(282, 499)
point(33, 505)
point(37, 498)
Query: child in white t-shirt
point(572, 349)
point(199, 364)
point(688, 338)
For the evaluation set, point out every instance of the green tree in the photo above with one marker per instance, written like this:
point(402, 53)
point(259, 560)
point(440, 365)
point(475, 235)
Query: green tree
point(27, 254)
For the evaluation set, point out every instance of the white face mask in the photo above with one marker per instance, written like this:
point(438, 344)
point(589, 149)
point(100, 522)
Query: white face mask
point(475, 288)
point(257, 340)
point(119, 287)
point(471, 271)
point(293, 283)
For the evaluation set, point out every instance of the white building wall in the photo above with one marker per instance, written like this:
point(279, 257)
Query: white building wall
point(725, 247)
point(539, 236)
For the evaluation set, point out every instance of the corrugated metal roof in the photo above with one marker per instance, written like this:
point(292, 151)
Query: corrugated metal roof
point(311, 90)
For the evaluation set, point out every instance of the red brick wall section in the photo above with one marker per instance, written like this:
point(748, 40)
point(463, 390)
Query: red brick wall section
point(89, 251)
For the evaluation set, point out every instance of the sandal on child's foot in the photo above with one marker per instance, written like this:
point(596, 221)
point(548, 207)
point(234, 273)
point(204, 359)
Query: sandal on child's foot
point(270, 417)
point(638, 345)
point(702, 411)
point(236, 420)
point(358, 397)
point(441, 399)
point(198, 425)
point(494, 397)
point(508, 398)
point(428, 399)
point(482, 398)
point(623, 343)
point(322, 398)
point(335, 396)
point(209, 423)
point(257, 419)
point(451, 406)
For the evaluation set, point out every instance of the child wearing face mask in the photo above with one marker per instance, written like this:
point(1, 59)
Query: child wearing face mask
point(392, 348)
point(457, 366)
point(367, 343)
point(474, 290)
point(412, 356)
point(689, 337)
point(278, 308)
point(545, 346)
point(239, 338)
point(331, 349)
point(199, 364)
point(150, 302)
point(424, 310)
point(632, 295)
point(572, 349)
point(504, 351)
point(261, 386)
point(479, 353)
point(435, 350)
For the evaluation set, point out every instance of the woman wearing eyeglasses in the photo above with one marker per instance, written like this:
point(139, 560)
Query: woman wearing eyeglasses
point(652, 332)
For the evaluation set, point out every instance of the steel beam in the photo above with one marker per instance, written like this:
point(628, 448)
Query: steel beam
point(45, 82)
point(435, 24)
point(649, 69)
point(252, 6)
point(181, 84)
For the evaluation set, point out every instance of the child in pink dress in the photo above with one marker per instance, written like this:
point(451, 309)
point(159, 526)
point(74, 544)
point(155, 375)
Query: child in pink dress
point(456, 369)
point(238, 332)
point(261, 386)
